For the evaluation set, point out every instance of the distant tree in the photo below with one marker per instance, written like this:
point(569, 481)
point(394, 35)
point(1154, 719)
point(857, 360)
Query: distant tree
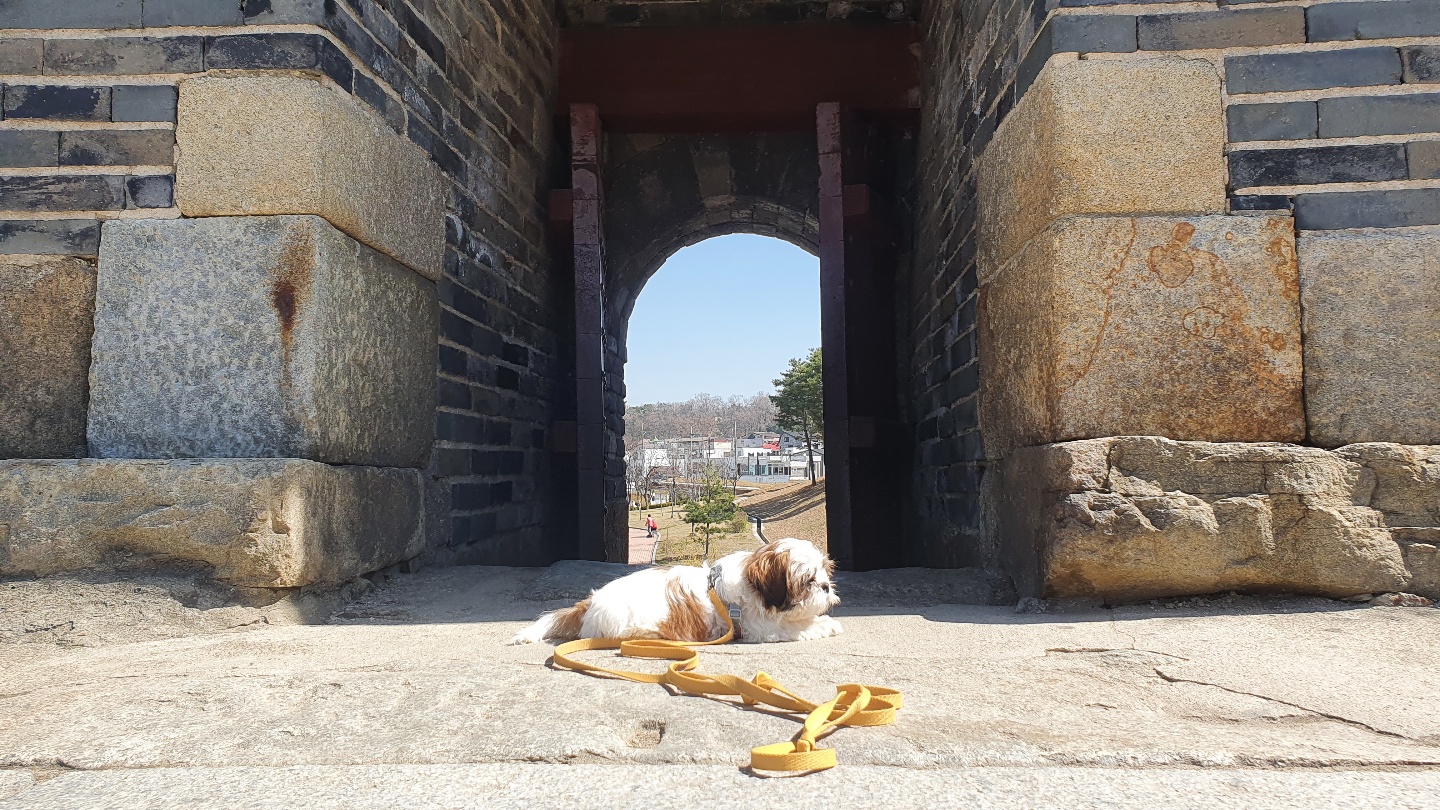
point(701, 415)
point(799, 402)
point(715, 505)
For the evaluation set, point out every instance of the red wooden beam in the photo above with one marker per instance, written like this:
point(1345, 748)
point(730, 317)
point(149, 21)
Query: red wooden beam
point(761, 78)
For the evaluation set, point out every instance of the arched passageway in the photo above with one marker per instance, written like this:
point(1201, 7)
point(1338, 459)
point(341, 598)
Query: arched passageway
point(666, 192)
point(817, 149)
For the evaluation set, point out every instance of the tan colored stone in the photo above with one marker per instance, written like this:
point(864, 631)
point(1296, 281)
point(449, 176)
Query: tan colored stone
point(1180, 518)
point(1110, 326)
point(296, 342)
point(290, 145)
point(1372, 335)
point(1406, 480)
point(47, 312)
point(1132, 136)
point(279, 523)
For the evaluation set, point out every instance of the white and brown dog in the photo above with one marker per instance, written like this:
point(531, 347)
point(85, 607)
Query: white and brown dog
point(782, 590)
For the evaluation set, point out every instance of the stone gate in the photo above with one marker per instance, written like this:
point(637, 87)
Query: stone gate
point(1126, 300)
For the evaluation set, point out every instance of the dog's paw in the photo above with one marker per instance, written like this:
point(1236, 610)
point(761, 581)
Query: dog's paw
point(822, 627)
point(521, 638)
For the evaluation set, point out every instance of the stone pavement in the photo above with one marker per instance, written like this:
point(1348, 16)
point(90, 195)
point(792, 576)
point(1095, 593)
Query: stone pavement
point(642, 547)
point(409, 697)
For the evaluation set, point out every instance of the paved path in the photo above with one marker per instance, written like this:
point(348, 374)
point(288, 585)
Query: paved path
point(410, 698)
point(642, 548)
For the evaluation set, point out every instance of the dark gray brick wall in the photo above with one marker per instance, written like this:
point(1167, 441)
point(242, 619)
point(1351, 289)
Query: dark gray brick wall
point(70, 14)
point(1379, 19)
point(971, 81)
point(1222, 29)
point(1379, 115)
point(472, 85)
point(143, 103)
point(150, 191)
point(20, 56)
point(57, 102)
point(1394, 208)
point(119, 55)
point(270, 12)
point(146, 147)
point(1352, 67)
point(1424, 157)
point(65, 237)
point(29, 147)
point(62, 193)
point(160, 13)
point(1422, 63)
point(1288, 120)
point(1323, 164)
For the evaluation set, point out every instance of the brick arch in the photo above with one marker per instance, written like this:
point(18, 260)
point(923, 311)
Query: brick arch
point(741, 215)
point(664, 193)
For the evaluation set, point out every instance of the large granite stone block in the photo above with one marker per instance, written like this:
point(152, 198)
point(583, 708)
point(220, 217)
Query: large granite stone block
point(1170, 326)
point(255, 523)
point(1133, 518)
point(47, 309)
point(290, 145)
point(259, 337)
point(1372, 335)
point(1129, 136)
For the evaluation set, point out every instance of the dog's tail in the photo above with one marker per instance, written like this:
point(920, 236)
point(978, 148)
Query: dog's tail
point(557, 625)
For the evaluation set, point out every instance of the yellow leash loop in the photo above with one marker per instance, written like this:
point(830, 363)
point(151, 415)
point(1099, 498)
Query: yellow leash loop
point(853, 705)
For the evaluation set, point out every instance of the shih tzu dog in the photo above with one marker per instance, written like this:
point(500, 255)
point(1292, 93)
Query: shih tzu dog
point(782, 591)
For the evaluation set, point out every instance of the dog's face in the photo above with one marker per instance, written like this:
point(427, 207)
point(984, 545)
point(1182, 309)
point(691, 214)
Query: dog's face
point(792, 577)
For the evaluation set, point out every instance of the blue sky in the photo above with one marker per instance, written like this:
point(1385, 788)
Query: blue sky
point(722, 317)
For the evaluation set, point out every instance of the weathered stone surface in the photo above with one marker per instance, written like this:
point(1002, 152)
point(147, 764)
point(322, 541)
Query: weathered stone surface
point(1133, 518)
point(289, 145)
point(47, 310)
point(248, 337)
point(1133, 136)
point(1180, 327)
point(914, 587)
point(1372, 335)
point(1147, 704)
point(575, 579)
point(280, 523)
point(917, 587)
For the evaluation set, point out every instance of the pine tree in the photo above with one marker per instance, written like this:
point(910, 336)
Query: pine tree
point(799, 400)
point(715, 505)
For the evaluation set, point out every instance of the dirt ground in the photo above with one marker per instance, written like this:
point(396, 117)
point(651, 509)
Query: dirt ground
point(788, 510)
point(791, 510)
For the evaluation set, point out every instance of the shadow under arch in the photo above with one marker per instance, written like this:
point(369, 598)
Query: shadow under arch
point(667, 192)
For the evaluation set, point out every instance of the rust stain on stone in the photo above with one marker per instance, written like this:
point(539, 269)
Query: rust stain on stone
point(1273, 339)
point(1202, 321)
point(1171, 262)
point(290, 282)
point(1284, 263)
point(1220, 352)
point(1111, 279)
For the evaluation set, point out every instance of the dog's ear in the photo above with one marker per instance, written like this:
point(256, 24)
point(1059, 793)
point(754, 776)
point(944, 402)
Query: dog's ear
point(829, 567)
point(768, 572)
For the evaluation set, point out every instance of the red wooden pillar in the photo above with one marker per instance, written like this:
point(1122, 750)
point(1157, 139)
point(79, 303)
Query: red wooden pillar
point(589, 247)
point(829, 125)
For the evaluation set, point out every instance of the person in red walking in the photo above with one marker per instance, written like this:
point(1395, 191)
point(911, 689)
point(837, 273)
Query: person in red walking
point(651, 527)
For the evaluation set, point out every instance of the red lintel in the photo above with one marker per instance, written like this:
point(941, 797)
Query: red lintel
point(743, 78)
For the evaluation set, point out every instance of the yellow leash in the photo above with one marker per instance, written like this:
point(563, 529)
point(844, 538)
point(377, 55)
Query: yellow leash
point(853, 704)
